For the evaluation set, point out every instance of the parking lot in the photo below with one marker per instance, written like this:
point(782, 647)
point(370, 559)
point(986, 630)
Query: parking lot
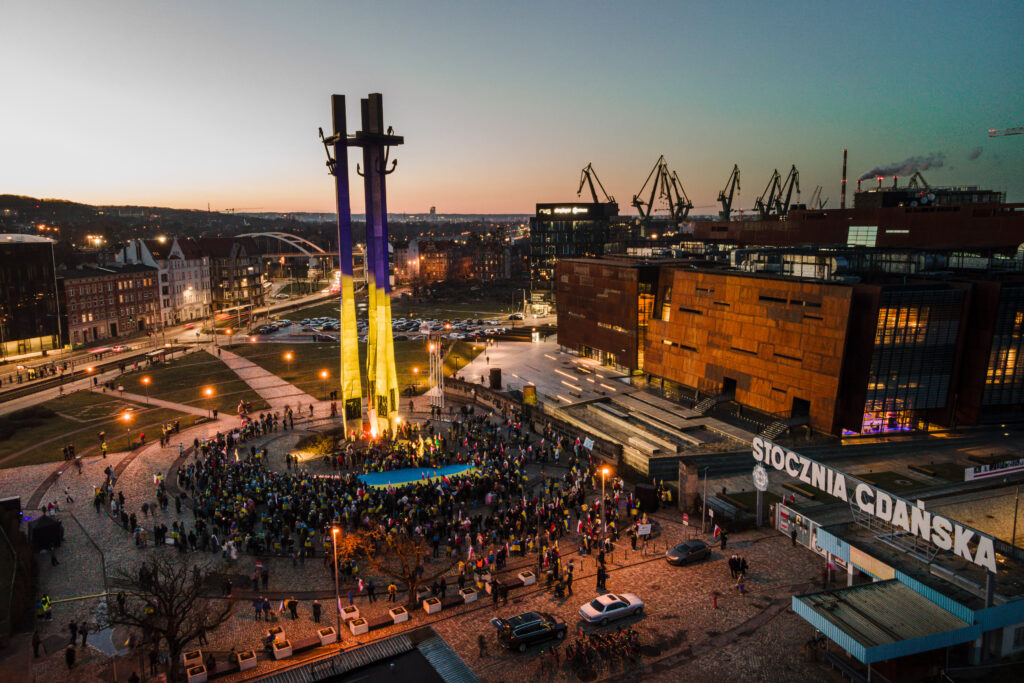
point(326, 329)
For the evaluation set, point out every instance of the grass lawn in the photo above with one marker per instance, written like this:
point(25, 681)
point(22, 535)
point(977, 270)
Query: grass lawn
point(79, 419)
point(309, 359)
point(894, 482)
point(184, 380)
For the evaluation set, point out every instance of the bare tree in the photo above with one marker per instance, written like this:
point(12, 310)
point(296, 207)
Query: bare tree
point(396, 556)
point(167, 600)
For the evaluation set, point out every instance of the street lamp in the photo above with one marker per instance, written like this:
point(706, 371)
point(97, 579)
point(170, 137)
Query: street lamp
point(604, 512)
point(323, 382)
point(337, 595)
point(415, 376)
point(288, 357)
point(227, 333)
point(208, 392)
point(127, 417)
point(145, 382)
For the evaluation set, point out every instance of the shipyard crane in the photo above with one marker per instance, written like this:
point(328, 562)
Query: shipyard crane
point(666, 186)
point(817, 203)
point(917, 181)
point(792, 182)
point(768, 199)
point(732, 185)
point(587, 177)
point(1000, 132)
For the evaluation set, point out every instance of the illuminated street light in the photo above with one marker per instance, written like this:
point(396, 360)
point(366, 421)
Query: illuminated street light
point(323, 381)
point(208, 392)
point(288, 357)
point(145, 382)
point(127, 417)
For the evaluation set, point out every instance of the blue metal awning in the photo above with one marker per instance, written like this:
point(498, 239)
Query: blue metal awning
point(878, 621)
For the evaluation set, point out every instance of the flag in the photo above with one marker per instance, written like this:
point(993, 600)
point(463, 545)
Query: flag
point(717, 531)
point(470, 555)
point(360, 588)
point(339, 605)
point(281, 608)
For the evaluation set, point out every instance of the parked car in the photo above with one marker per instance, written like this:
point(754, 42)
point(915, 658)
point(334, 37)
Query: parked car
point(516, 316)
point(688, 551)
point(324, 338)
point(611, 606)
point(118, 348)
point(519, 632)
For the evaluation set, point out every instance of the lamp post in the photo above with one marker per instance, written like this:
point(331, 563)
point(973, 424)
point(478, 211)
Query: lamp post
point(227, 333)
point(288, 357)
point(412, 387)
point(323, 382)
point(337, 595)
point(208, 393)
point(604, 512)
point(127, 417)
point(145, 383)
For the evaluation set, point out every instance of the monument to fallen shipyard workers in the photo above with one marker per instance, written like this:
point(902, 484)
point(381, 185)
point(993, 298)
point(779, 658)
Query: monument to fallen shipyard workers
point(381, 378)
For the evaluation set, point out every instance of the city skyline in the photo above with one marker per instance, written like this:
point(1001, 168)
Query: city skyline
point(185, 105)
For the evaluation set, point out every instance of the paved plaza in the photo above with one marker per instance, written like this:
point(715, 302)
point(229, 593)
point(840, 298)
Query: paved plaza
point(750, 636)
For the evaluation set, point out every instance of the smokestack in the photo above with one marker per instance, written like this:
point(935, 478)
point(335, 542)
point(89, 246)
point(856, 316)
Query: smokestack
point(895, 181)
point(879, 182)
point(842, 191)
point(858, 186)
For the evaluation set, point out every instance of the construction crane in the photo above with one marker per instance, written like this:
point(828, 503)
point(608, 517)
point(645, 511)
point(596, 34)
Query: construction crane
point(917, 181)
point(792, 182)
point(588, 176)
point(817, 203)
point(666, 186)
point(769, 198)
point(1000, 132)
point(732, 185)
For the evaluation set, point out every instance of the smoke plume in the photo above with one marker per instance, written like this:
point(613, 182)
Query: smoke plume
point(975, 153)
point(907, 166)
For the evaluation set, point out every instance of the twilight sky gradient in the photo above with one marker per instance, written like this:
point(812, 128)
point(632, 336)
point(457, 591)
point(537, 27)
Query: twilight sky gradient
point(501, 103)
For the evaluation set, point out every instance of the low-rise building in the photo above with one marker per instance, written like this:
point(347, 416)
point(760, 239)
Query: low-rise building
point(236, 275)
point(184, 276)
point(107, 302)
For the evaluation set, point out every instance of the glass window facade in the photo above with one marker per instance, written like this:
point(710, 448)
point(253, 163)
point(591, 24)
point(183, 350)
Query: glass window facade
point(1004, 378)
point(913, 356)
point(28, 301)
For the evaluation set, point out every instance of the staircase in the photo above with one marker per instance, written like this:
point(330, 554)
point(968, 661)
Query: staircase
point(707, 404)
point(778, 427)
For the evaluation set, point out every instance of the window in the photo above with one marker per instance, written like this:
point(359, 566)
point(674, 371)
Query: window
point(1018, 637)
point(862, 236)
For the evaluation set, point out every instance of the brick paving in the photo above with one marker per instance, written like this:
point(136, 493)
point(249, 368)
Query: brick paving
point(748, 638)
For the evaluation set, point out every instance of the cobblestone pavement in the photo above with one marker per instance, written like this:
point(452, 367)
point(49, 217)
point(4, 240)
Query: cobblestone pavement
point(754, 637)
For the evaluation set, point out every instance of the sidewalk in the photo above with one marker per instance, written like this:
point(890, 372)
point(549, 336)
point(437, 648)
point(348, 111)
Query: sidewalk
point(149, 401)
point(269, 386)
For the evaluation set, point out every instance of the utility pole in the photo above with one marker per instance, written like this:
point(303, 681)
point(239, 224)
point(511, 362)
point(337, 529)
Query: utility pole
point(704, 502)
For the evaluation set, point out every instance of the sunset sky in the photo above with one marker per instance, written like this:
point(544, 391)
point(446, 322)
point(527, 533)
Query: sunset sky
point(501, 104)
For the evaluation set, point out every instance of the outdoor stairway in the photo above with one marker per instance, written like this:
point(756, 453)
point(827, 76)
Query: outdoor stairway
point(778, 427)
point(707, 404)
point(444, 660)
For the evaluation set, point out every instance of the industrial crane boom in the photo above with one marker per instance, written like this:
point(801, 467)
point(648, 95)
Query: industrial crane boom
point(666, 186)
point(768, 199)
point(792, 182)
point(587, 177)
point(726, 195)
point(1000, 132)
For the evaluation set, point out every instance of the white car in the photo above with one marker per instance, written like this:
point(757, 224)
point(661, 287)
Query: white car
point(611, 606)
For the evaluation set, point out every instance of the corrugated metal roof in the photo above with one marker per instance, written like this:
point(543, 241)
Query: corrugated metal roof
point(445, 661)
point(879, 613)
point(344, 661)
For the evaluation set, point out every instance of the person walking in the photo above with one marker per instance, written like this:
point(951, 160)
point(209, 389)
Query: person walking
point(73, 627)
point(481, 643)
point(316, 611)
point(83, 630)
point(69, 656)
point(293, 607)
point(792, 536)
point(392, 593)
point(371, 591)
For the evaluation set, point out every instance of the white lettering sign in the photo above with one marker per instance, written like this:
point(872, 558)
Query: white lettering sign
point(944, 533)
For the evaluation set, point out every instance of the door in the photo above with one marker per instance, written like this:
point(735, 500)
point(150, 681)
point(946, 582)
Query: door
point(801, 407)
point(728, 386)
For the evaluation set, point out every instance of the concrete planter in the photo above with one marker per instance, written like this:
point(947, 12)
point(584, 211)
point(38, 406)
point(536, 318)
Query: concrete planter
point(191, 659)
point(432, 605)
point(327, 635)
point(468, 595)
point(349, 612)
point(278, 633)
point(246, 660)
point(527, 577)
point(358, 627)
point(398, 615)
point(422, 593)
point(196, 674)
point(282, 649)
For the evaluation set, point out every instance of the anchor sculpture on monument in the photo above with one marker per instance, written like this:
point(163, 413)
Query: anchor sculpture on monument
point(381, 379)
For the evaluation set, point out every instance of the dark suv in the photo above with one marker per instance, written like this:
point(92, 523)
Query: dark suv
point(520, 632)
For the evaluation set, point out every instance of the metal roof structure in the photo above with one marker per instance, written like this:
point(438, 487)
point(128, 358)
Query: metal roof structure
point(882, 620)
